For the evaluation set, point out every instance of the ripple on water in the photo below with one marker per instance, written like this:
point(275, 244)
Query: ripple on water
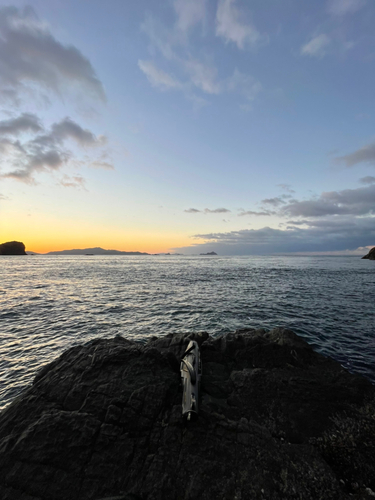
point(53, 303)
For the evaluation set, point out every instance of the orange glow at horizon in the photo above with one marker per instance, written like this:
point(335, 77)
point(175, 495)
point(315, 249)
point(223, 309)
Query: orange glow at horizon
point(47, 235)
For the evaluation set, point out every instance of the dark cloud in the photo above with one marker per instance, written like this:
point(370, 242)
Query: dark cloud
point(275, 202)
point(329, 235)
point(192, 211)
point(216, 211)
point(29, 54)
point(68, 129)
point(367, 180)
point(360, 201)
point(44, 152)
point(366, 154)
point(26, 122)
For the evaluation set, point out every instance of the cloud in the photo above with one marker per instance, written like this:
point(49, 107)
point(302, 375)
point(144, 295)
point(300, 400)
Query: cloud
point(317, 46)
point(29, 54)
point(359, 202)
point(366, 154)
point(350, 233)
point(207, 211)
point(265, 213)
point(157, 77)
point(246, 85)
point(102, 164)
point(342, 7)
point(189, 13)
point(216, 211)
point(286, 187)
point(43, 152)
point(192, 211)
point(230, 26)
point(73, 182)
point(367, 180)
point(275, 202)
point(26, 122)
point(203, 76)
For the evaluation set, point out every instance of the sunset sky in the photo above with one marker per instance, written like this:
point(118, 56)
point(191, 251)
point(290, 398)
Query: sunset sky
point(243, 127)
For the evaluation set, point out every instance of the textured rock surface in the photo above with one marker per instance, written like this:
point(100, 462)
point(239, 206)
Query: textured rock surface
point(12, 248)
point(277, 421)
point(370, 255)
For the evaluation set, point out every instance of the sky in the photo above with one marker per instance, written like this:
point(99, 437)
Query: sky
point(190, 126)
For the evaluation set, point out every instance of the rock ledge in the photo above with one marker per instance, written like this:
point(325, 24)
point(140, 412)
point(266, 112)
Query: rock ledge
point(277, 421)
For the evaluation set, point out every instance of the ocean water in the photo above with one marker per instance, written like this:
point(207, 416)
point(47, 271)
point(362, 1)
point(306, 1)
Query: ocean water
point(51, 303)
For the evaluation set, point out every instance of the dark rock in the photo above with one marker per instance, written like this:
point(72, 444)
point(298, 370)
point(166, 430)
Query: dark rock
point(12, 248)
point(208, 253)
point(370, 255)
point(277, 420)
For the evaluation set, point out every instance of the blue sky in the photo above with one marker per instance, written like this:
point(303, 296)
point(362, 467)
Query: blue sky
point(240, 127)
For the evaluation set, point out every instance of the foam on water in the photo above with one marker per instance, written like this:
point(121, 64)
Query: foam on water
point(51, 303)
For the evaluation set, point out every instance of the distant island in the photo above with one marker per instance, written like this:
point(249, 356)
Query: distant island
point(12, 248)
point(93, 251)
point(370, 255)
point(208, 253)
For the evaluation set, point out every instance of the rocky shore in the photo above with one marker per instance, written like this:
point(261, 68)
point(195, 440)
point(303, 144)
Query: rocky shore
point(277, 420)
point(370, 255)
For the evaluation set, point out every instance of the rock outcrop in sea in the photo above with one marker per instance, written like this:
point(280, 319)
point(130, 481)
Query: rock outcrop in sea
point(370, 255)
point(277, 421)
point(12, 248)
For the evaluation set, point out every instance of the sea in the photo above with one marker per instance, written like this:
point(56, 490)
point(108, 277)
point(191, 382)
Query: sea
point(51, 303)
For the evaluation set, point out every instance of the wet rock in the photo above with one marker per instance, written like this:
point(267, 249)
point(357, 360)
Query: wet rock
point(277, 420)
point(370, 255)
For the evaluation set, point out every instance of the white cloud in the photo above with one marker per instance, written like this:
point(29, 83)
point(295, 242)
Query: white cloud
point(317, 46)
point(246, 85)
point(157, 77)
point(203, 76)
point(342, 7)
point(189, 13)
point(230, 26)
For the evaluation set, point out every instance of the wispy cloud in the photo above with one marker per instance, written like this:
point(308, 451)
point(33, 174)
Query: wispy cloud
point(207, 211)
point(342, 7)
point(366, 154)
point(189, 13)
point(286, 187)
point(317, 46)
point(195, 75)
point(231, 27)
point(73, 182)
point(157, 77)
point(264, 213)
